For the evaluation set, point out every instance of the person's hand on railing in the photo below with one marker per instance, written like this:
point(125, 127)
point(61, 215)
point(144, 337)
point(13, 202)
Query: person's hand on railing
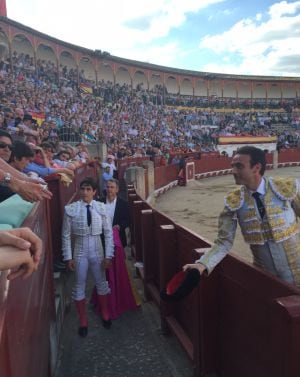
point(34, 178)
point(14, 258)
point(21, 237)
point(198, 266)
point(73, 162)
point(71, 166)
point(28, 188)
point(32, 192)
point(67, 171)
point(20, 249)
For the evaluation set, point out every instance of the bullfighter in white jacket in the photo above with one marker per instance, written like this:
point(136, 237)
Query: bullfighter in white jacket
point(266, 210)
point(84, 222)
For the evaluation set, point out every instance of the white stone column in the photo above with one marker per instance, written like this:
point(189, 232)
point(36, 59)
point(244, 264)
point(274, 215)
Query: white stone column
point(98, 150)
point(149, 165)
point(136, 175)
point(275, 159)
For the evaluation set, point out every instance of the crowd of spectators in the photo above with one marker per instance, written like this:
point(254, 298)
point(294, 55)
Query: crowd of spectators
point(49, 114)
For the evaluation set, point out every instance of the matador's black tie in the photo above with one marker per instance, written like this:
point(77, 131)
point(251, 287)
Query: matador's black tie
point(260, 204)
point(88, 214)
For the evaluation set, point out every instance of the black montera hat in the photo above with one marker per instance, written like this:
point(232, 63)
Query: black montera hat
point(181, 285)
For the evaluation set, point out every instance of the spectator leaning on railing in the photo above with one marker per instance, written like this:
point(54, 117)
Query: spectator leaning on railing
point(44, 170)
point(29, 189)
point(11, 181)
point(20, 157)
point(62, 159)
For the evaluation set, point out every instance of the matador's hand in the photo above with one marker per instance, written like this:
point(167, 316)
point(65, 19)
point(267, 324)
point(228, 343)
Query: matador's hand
point(71, 264)
point(198, 266)
point(106, 263)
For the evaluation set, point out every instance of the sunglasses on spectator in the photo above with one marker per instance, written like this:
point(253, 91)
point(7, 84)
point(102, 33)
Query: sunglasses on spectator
point(9, 116)
point(4, 145)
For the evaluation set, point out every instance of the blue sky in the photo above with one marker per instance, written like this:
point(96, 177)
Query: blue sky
point(257, 37)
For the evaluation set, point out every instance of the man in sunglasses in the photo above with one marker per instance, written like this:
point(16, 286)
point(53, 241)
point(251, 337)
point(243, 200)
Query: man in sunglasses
point(5, 145)
point(5, 153)
point(12, 181)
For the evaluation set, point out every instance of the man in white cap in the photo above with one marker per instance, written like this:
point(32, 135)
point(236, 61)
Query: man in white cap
point(110, 161)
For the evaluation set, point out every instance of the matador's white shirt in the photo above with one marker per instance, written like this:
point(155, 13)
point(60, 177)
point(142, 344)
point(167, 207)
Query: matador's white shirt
point(75, 224)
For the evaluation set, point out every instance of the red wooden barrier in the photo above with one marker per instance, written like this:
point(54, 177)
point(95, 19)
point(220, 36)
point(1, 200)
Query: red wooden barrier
point(147, 245)
point(212, 163)
point(132, 196)
point(163, 175)
point(259, 316)
point(289, 155)
point(156, 161)
point(190, 155)
point(138, 205)
point(27, 307)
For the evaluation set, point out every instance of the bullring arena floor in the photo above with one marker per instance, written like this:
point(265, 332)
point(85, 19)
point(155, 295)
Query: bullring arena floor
point(197, 205)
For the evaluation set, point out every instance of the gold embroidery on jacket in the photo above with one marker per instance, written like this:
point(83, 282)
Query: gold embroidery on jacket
point(273, 211)
point(276, 235)
point(275, 223)
point(292, 251)
point(234, 199)
point(285, 188)
point(249, 215)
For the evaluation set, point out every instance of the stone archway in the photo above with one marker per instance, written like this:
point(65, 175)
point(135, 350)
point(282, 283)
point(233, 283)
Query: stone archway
point(139, 79)
point(4, 51)
point(67, 67)
point(87, 73)
point(123, 76)
point(23, 57)
point(46, 62)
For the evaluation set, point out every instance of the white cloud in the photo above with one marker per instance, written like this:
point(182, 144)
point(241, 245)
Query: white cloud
point(283, 8)
point(227, 12)
point(140, 30)
point(221, 13)
point(120, 27)
point(258, 17)
point(160, 55)
point(260, 46)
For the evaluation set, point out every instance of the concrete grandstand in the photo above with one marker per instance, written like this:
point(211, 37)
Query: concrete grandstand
point(173, 86)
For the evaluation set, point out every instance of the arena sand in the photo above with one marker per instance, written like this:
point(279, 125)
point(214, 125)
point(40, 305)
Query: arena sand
point(197, 206)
